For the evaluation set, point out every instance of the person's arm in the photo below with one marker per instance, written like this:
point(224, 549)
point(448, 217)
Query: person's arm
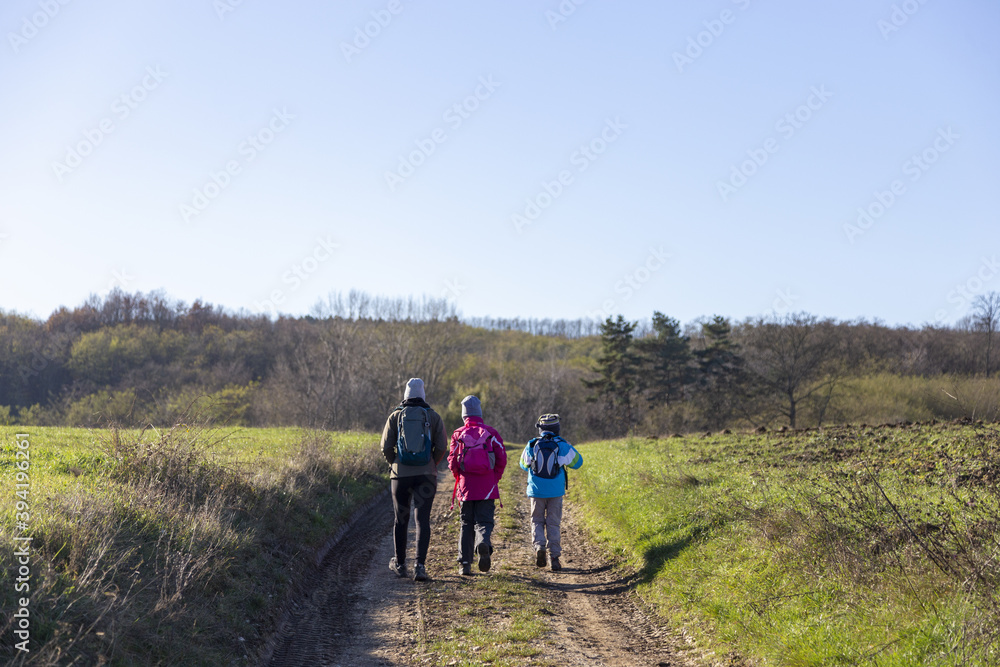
point(501, 456)
point(572, 458)
point(525, 461)
point(439, 442)
point(390, 435)
point(453, 454)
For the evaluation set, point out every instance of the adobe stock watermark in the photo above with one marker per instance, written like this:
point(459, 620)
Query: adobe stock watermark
point(298, 273)
point(453, 289)
point(632, 282)
point(898, 17)
point(121, 108)
point(786, 126)
point(32, 25)
point(21, 621)
point(247, 151)
point(784, 300)
point(455, 115)
point(582, 158)
point(964, 292)
point(120, 280)
point(223, 7)
point(704, 39)
point(381, 19)
point(915, 167)
point(562, 12)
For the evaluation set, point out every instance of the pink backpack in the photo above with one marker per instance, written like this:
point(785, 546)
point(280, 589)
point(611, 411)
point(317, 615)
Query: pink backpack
point(476, 455)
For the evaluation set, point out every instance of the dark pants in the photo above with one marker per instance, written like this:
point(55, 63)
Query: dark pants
point(420, 490)
point(477, 527)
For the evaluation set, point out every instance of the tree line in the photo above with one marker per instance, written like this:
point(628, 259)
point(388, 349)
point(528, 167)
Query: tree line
point(143, 358)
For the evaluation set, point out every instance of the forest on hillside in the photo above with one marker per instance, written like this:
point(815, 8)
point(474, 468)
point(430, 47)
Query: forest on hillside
point(137, 359)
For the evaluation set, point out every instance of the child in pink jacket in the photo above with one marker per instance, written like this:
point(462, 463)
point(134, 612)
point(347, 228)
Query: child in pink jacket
point(477, 459)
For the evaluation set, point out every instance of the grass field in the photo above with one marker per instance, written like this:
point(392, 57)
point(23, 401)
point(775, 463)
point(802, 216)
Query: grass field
point(848, 545)
point(169, 547)
point(842, 546)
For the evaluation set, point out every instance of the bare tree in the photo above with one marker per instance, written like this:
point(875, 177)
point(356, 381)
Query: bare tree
point(791, 357)
point(398, 351)
point(986, 318)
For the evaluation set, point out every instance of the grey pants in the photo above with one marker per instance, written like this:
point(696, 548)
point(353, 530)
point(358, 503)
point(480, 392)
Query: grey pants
point(546, 516)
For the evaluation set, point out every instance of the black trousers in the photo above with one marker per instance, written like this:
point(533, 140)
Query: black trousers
point(419, 492)
point(477, 527)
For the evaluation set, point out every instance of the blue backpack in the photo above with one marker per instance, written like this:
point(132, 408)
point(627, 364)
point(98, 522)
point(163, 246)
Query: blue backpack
point(545, 459)
point(413, 446)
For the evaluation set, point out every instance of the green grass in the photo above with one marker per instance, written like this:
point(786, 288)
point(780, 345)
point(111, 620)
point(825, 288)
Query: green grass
point(501, 626)
point(173, 546)
point(850, 545)
point(843, 546)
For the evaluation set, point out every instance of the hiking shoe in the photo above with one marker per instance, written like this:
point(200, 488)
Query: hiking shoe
point(466, 569)
point(556, 565)
point(540, 558)
point(398, 568)
point(484, 557)
point(419, 573)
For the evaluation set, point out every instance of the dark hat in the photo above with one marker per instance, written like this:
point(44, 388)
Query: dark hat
point(548, 422)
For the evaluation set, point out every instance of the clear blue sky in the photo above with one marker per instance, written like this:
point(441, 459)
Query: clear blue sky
point(350, 165)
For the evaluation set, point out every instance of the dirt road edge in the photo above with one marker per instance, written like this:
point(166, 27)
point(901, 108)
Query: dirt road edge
point(306, 579)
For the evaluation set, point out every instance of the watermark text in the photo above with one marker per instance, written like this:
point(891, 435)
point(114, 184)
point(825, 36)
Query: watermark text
point(22, 541)
point(455, 115)
point(121, 108)
point(697, 44)
point(898, 17)
point(787, 126)
point(582, 158)
point(248, 151)
point(297, 274)
point(363, 37)
point(914, 168)
point(632, 282)
point(31, 26)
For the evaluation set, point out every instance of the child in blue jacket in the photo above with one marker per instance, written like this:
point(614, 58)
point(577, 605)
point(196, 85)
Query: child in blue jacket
point(546, 458)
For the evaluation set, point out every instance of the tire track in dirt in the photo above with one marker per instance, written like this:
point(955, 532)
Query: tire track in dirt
point(356, 611)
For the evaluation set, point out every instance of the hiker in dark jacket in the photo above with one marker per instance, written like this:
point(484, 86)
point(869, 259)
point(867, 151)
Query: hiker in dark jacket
point(413, 482)
point(477, 459)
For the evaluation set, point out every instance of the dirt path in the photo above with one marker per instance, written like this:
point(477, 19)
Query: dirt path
point(358, 613)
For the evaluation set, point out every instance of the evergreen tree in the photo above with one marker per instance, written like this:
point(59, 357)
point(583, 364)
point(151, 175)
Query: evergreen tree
point(618, 370)
point(666, 359)
point(721, 376)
